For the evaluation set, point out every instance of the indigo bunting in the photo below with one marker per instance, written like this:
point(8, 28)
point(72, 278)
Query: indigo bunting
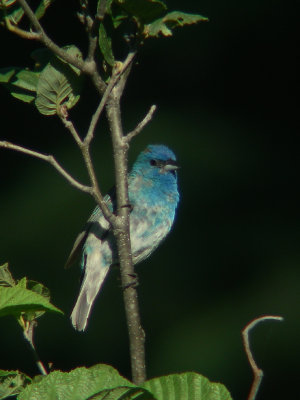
point(153, 197)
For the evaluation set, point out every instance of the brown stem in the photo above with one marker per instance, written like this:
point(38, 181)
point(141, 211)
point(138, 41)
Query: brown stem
point(122, 234)
point(257, 372)
point(28, 329)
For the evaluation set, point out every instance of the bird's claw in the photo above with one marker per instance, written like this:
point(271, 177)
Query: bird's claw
point(130, 206)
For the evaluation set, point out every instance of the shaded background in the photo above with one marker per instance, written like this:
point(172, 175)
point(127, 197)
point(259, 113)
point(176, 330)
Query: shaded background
point(227, 105)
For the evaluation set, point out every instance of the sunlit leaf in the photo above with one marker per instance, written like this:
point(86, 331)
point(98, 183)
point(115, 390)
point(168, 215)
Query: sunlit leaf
point(42, 8)
point(11, 10)
point(165, 25)
point(12, 383)
point(18, 299)
point(6, 278)
point(187, 386)
point(26, 79)
point(79, 384)
point(7, 73)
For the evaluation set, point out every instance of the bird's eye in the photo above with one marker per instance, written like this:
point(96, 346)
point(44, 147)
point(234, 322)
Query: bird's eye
point(153, 162)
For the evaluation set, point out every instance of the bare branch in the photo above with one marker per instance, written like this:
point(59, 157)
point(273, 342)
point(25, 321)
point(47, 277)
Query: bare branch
point(257, 372)
point(21, 32)
point(69, 125)
point(84, 148)
point(119, 69)
point(51, 160)
point(141, 125)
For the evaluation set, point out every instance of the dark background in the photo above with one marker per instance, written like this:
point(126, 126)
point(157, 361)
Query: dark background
point(227, 101)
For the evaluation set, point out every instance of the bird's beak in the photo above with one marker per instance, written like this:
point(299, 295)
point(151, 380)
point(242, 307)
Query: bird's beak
point(171, 167)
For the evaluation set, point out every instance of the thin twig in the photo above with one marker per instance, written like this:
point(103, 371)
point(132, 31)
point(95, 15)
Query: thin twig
point(49, 159)
point(257, 372)
point(69, 125)
point(119, 69)
point(21, 32)
point(84, 148)
point(141, 125)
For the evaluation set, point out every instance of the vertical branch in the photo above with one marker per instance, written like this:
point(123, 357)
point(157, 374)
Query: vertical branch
point(122, 234)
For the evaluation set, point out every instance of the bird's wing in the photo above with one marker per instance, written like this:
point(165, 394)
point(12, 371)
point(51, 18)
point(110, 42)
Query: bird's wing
point(96, 217)
point(79, 242)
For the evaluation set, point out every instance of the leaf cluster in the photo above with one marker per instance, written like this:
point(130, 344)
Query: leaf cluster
point(104, 382)
point(53, 85)
point(25, 299)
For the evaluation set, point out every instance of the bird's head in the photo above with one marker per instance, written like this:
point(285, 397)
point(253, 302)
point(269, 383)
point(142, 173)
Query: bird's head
point(157, 162)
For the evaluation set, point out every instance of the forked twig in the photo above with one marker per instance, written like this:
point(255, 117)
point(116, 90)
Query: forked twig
point(49, 159)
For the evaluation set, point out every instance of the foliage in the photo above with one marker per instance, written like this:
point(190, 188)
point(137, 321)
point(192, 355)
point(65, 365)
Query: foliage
point(53, 85)
point(104, 382)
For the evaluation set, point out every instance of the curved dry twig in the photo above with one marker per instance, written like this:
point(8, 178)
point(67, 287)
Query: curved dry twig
point(257, 372)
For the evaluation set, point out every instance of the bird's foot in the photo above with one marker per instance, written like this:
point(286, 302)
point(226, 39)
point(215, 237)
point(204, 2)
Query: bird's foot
point(130, 206)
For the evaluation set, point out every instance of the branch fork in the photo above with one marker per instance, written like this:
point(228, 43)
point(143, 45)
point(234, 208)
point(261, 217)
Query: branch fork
point(111, 93)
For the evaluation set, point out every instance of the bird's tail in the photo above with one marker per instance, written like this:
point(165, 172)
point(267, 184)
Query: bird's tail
point(90, 287)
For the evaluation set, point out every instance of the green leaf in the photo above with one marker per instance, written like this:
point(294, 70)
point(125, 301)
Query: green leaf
point(74, 52)
point(43, 291)
point(20, 82)
point(80, 384)
point(7, 73)
point(11, 10)
point(6, 278)
point(145, 11)
point(26, 79)
point(187, 386)
point(59, 84)
point(105, 45)
point(42, 8)
point(123, 393)
point(165, 25)
point(12, 383)
point(21, 95)
point(18, 299)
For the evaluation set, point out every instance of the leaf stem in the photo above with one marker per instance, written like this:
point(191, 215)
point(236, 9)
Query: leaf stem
point(28, 328)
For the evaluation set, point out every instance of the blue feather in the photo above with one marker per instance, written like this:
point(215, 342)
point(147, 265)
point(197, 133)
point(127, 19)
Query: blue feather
point(153, 195)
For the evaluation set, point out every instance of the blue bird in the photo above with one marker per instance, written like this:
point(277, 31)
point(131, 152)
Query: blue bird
point(153, 196)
